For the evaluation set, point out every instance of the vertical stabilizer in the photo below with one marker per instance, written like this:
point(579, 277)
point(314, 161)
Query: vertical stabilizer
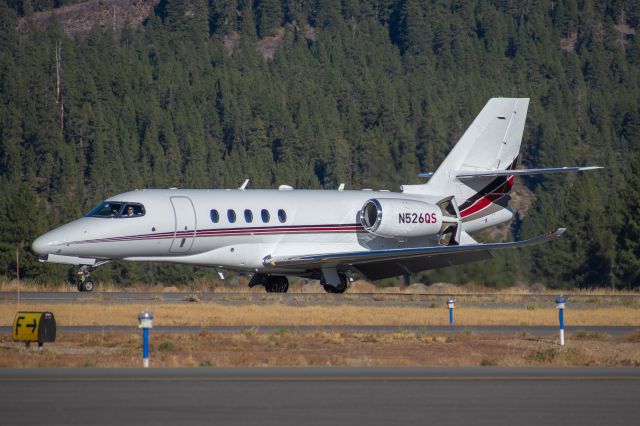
point(491, 143)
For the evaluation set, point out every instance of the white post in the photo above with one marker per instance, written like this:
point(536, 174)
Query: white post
point(560, 301)
point(146, 322)
point(451, 304)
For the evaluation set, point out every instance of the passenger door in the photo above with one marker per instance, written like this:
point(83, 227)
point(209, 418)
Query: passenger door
point(185, 224)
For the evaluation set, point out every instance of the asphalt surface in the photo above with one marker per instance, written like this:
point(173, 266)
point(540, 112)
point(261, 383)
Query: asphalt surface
point(321, 396)
point(477, 329)
point(488, 300)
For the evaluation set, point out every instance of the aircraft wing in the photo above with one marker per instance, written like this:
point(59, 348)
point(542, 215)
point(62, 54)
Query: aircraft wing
point(378, 264)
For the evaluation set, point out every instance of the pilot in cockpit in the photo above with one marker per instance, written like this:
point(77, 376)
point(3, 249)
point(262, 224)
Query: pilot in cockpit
point(129, 212)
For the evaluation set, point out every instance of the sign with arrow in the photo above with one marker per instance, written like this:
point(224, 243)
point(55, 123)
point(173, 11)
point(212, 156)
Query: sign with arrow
point(34, 327)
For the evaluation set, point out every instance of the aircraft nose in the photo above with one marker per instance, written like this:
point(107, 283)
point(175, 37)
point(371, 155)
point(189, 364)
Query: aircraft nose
point(41, 245)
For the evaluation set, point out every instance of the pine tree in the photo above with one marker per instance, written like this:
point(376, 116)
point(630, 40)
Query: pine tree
point(627, 262)
point(268, 16)
point(22, 222)
point(365, 93)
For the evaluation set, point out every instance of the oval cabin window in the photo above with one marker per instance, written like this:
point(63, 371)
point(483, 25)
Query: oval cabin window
point(265, 215)
point(282, 216)
point(215, 217)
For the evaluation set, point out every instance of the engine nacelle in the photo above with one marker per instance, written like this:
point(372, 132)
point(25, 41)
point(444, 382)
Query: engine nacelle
point(398, 218)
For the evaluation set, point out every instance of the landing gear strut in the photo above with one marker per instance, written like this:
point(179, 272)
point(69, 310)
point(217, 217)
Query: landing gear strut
point(276, 284)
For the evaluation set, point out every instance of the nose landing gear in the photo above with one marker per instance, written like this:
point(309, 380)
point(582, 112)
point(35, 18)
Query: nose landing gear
point(84, 284)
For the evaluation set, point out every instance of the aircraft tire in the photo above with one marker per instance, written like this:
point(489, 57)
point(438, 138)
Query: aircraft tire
point(87, 286)
point(331, 289)
point(341, 289)
point(79, 286)
point(276, 284)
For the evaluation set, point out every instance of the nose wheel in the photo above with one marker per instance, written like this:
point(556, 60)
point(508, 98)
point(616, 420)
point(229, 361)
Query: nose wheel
point(84, 284)
point(81, 279)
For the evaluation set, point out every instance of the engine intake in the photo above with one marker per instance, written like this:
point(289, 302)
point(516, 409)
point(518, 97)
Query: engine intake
point(397, 218)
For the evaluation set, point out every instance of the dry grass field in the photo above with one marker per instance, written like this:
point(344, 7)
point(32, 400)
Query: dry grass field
point(283, 348)
point(210, 314)
point(287, 348)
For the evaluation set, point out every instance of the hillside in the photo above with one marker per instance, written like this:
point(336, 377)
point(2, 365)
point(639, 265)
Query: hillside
point(80, 18)
point(205, 94)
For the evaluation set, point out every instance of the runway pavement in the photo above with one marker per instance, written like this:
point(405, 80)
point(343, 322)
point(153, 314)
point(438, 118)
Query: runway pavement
point(321, 396)
point(477, 329)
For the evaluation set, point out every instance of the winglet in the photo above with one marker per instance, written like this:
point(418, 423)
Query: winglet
point(551, 235)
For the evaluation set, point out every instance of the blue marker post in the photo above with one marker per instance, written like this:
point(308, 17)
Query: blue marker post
point(146, 322)
point(451, 304)
point(560, 301)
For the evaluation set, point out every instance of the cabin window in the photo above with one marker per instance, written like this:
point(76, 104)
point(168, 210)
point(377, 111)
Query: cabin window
point(282, 216)
point(265, 215)
point(248, 216)
point(215, 217)
point(231, 215)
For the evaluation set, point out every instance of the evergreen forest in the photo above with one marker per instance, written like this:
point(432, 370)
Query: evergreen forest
point(203, 94)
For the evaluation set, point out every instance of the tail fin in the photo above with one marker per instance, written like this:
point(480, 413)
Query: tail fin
point(491, 143)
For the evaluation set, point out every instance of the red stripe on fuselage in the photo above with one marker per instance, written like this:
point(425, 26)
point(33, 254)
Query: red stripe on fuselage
point(484, 202)
point(232, 231)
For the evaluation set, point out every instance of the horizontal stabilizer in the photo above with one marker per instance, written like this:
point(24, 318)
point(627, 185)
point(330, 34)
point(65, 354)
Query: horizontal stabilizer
point(467, 174)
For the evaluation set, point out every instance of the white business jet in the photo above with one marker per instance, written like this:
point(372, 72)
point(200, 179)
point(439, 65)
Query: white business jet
point(319, 234)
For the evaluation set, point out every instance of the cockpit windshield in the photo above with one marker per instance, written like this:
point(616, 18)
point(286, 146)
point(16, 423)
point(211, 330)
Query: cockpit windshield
point(117, 209)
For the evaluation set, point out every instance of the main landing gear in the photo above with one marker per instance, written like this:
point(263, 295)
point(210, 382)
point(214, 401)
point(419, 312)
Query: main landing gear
point(276, 284)
point(341, 288)
point(271, 283)
point(280, 283)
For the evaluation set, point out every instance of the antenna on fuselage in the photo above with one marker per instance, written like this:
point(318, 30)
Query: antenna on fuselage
point(245, 184)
